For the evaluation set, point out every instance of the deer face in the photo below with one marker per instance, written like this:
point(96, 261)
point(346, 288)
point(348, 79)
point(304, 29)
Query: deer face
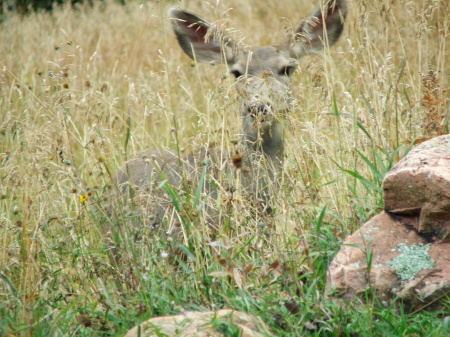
point(263, 82)
point(263, 73)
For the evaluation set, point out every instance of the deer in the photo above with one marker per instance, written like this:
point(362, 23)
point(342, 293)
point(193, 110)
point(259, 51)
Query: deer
point(263, 82)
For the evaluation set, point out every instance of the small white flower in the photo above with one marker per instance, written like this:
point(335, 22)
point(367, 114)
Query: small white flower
point(164, 255)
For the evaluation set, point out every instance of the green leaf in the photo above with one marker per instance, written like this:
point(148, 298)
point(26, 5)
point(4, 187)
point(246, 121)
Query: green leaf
point(366, 183)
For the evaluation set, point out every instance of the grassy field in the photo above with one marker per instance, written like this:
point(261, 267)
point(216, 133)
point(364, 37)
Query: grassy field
point(83, 90)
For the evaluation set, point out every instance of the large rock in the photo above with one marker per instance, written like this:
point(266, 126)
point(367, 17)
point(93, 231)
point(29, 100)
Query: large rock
point(202, 324)
point(405, 252)
point(402, 264)
point(419, 185)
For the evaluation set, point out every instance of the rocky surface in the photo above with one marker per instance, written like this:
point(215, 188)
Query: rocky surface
point(405, 252)
point(419, 186)
point(402, 264)
point(205, 324)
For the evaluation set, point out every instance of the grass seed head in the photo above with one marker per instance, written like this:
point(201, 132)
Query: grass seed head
point(237, 160)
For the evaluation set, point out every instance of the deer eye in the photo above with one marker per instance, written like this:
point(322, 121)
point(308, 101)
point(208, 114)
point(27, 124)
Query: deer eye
point(236, 73)
point(287, 70)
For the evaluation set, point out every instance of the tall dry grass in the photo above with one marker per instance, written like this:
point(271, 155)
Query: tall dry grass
point(83, 90)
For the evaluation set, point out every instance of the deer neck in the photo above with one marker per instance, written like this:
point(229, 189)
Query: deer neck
point(267, 140)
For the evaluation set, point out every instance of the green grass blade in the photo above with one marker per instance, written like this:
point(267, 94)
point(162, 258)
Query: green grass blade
point(372, 167)
point(366, 183)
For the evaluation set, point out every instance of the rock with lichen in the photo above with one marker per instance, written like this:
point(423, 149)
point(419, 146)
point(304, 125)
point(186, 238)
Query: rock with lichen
point(405, 252)
point(390, 257)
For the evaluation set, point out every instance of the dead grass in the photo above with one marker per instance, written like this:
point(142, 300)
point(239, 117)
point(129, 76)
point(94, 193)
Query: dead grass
point(72, 83)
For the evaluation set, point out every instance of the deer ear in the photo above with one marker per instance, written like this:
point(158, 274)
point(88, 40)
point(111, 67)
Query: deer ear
point(321, 28)
point(192, 35)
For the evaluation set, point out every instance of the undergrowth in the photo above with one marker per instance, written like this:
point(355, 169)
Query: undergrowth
point(82, 90)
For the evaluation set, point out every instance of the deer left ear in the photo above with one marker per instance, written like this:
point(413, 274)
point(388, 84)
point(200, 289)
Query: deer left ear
point(321, 28)
point(192, 35)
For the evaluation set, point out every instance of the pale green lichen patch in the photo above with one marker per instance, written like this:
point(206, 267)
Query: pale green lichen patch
point(412, 260)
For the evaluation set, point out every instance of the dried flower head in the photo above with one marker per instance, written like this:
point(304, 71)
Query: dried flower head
point(237, 159)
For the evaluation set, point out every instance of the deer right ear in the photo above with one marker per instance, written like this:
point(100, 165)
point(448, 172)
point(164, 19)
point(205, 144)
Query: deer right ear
point(192, 35)
point(321, 28)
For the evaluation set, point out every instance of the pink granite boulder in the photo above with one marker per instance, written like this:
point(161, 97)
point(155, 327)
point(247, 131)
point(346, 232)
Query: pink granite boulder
point(402, 264)
point(405, 252)
point(419, 185)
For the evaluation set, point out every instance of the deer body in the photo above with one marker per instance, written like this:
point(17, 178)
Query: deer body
point(263, 85)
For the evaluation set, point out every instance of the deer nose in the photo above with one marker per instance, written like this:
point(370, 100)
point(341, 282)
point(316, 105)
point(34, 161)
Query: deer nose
point(259, 109)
